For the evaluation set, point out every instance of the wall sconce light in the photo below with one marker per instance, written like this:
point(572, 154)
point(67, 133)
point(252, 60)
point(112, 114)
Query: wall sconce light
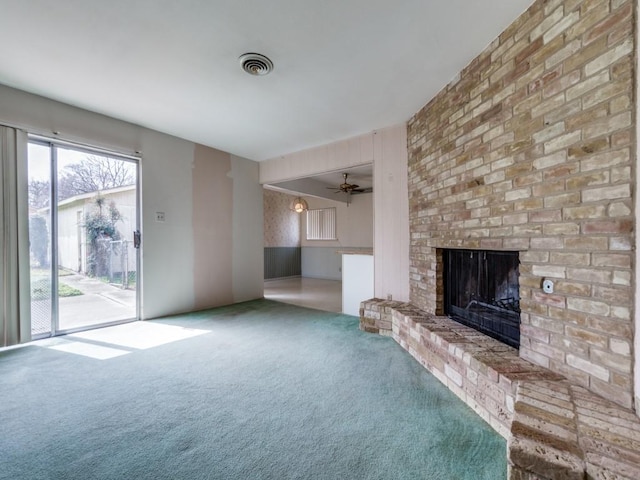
point(299, 205)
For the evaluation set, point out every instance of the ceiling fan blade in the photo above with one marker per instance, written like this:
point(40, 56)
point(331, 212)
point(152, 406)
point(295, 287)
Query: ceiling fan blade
point(362, 190)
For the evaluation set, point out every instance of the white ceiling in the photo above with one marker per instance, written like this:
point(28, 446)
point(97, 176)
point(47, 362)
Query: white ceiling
point(342, 67)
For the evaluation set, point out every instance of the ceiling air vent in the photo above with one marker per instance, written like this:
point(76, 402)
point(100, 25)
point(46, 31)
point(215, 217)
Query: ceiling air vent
point(256, 64)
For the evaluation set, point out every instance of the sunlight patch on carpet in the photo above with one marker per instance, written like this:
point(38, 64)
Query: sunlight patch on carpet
point(139, 335)
point(98, 352)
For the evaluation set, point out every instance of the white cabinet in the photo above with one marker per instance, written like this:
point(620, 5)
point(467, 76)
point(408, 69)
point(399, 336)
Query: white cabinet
point(357, 282)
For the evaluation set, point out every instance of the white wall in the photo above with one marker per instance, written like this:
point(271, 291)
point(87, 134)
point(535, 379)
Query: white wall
point(354, 228)
point(166, 182)
point(167, 251)
point(354, 223)
point(321, 262)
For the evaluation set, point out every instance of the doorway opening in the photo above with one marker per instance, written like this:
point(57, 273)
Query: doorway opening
point(83, 237)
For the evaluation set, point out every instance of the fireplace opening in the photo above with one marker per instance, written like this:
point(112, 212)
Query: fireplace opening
point(481, 290)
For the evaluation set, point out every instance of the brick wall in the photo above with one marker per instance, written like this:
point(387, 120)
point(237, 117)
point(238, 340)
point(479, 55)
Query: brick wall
point(531, 149)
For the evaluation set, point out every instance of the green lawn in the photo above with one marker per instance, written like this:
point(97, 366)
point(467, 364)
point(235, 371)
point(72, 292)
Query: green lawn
point(65, 290)
point(41, 288)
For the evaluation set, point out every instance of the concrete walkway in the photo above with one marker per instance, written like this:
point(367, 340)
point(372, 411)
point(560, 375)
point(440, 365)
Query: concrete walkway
point(99, 303)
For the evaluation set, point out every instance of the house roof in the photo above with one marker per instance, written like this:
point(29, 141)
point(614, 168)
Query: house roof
point(342, 68)
point(82, 197)
point(103, 193)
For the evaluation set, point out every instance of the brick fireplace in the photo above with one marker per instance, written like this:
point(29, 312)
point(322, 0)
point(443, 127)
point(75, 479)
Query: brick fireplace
point(531, 149)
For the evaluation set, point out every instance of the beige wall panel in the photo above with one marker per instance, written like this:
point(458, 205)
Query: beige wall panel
point(212, 228)
point(247, 236)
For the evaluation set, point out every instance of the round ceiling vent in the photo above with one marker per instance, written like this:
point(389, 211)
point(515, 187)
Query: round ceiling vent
point(256, 64)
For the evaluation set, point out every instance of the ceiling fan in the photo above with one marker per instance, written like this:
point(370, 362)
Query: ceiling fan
point(346, 187)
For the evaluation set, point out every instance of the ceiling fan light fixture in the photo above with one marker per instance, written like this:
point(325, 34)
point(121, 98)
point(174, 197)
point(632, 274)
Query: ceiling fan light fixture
point(256, 64)
point(299, 205)
point(349, 188)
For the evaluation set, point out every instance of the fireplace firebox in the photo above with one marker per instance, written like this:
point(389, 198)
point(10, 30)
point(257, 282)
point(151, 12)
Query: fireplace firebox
point(481, 290)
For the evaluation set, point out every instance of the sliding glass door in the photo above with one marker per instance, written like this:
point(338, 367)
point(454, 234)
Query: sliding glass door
point(83, 215)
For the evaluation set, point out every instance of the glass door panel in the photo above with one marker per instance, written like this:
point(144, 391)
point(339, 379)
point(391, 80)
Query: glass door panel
point(41, 266)
point(97, 215)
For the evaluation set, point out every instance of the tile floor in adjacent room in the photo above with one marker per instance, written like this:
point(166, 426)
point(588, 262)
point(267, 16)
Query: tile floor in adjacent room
point(306, 292)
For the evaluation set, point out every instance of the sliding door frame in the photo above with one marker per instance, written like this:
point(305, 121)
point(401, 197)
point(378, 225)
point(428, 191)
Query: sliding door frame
point(54, 144)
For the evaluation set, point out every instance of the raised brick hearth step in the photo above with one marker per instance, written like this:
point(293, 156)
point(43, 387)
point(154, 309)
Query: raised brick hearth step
point(554, 430)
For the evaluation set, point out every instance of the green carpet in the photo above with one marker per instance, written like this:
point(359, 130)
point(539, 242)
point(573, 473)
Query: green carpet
point(271, 391)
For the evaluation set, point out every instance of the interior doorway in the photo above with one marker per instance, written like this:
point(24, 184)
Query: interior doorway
point(83, 238)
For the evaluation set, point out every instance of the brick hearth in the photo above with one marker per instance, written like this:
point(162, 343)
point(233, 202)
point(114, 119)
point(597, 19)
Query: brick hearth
point(480, 370)
point(555, 430)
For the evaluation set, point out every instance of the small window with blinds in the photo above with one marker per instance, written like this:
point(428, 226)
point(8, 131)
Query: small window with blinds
point(321, 224)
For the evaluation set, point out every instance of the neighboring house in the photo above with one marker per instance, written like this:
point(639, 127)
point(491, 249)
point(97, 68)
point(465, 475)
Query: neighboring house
point(73, 252)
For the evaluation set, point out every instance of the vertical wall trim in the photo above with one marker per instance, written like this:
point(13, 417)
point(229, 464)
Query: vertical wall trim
point(15, 298)
point(636, 270)
point(391, 214)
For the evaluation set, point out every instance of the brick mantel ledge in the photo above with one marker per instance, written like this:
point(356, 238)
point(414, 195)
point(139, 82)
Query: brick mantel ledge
point(554, 430)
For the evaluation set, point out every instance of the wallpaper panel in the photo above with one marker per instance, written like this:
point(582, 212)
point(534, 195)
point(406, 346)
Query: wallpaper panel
point(281, 225)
